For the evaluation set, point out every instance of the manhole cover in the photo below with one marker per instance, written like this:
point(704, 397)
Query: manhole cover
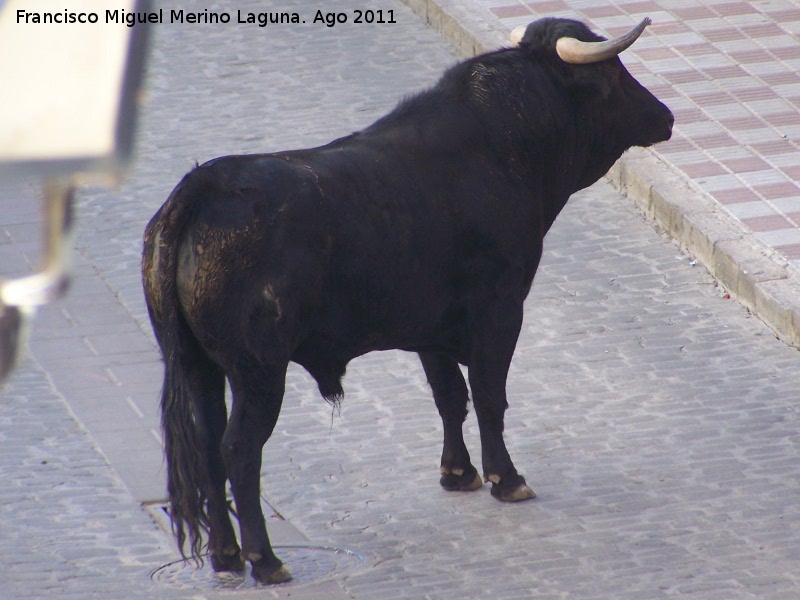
point(307, 564)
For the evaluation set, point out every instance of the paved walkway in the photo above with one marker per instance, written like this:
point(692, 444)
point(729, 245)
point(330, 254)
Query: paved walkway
point(728, 183)
point(657, 420)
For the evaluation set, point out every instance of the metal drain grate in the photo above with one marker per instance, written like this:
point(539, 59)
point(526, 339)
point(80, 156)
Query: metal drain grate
point(307, 564)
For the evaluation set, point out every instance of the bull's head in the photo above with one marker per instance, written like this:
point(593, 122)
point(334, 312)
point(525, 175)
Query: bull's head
point(586, 66)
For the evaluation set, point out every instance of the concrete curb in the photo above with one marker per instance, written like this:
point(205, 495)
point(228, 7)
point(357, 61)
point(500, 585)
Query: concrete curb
point(748, 269)
point(467, 27)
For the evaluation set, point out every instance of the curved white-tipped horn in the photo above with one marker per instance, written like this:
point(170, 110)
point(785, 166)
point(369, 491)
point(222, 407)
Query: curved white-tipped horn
point(517, 34)
point(576, 52)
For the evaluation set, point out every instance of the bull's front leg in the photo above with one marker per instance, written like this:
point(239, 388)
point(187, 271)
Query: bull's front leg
point(451, 397)
point(494, 340)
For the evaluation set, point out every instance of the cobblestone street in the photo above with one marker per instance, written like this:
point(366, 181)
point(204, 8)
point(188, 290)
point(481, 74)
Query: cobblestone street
point(656, 419)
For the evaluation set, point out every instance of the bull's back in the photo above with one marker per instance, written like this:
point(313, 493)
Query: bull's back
point(337, 249)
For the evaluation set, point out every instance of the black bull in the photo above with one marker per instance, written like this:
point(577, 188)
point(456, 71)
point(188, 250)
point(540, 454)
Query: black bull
point(422, 232)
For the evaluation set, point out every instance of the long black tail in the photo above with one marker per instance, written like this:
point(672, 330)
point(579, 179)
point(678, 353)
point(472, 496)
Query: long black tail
point(186, 456)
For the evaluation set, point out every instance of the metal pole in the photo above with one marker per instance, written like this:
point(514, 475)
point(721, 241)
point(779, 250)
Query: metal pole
point(19, 298)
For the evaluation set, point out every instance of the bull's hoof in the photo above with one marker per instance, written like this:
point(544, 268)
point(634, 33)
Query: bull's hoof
point(229, 560)
point(516, 490)
point(459, 480)
point(270, 572)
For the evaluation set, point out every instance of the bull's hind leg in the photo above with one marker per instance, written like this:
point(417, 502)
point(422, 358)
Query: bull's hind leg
point(450, 394)
point(257, 398)
point(206, 388)
point(211, 416)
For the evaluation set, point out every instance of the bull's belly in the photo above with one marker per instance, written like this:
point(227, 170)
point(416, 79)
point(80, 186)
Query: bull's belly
point(325, 352)
point(345, 346)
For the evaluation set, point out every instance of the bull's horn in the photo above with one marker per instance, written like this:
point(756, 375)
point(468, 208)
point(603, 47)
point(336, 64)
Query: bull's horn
point(517, 34)
point(576, 52)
